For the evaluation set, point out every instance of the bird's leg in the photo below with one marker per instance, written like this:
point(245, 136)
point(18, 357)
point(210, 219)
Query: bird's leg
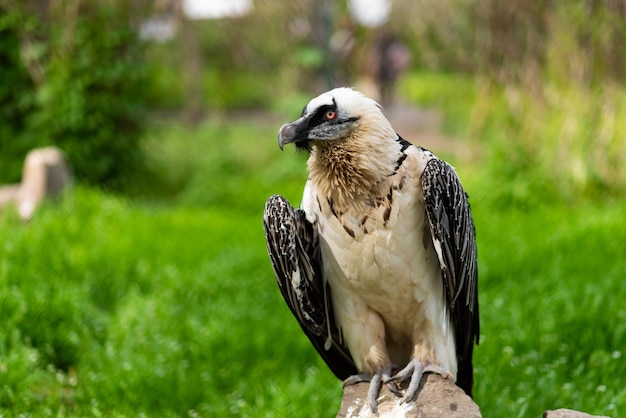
point(376, 380)
point(364, 333)
point(416, 369)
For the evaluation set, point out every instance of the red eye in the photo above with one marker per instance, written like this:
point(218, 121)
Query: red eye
point(330, 115)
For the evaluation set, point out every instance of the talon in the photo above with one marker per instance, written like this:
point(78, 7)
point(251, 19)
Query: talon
point(372, 393)
point(393, 387)
point(357, 378)
point(376, 380)
point(416, 370)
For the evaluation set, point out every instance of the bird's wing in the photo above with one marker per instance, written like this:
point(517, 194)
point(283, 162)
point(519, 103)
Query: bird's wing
point(454, 237)
point(292, 244)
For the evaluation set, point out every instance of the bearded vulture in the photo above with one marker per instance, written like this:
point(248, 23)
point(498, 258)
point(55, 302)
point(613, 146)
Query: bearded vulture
point(378, 265)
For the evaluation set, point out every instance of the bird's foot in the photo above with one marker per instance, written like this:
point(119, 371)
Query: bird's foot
point(376, 380)
point(416, 369)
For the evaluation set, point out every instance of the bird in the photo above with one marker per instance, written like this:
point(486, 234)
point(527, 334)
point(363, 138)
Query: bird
point(379, 263)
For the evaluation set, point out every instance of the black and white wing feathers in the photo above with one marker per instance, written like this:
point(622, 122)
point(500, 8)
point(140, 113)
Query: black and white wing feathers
point(293, 248)
point(454, 237)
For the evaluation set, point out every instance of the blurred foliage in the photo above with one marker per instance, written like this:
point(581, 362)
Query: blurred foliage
point(207, 169)
point(570, 144)
point(537, 88)
point(241, 62)
point(516, 41)
point(79, 83)
point(546, 110)
point(16, 98)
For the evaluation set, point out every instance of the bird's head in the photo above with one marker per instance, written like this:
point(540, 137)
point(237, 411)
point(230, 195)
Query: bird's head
point(335, 115)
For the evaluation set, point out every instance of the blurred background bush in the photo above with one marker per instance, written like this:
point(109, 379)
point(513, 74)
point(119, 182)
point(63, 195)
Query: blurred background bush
point(542, 93)
point(75, 78)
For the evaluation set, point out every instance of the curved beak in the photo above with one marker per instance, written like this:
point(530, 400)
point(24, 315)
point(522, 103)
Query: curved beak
point(286, 134)
point(296, 131)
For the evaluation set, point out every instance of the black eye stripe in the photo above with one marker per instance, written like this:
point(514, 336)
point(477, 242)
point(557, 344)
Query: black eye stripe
point(319, 115)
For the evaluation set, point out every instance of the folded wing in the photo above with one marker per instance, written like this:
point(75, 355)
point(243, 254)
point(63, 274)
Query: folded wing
point(454, 237)
point(292, 244)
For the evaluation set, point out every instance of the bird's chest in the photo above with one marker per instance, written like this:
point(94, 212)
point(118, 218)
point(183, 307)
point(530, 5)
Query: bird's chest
point(379, 250)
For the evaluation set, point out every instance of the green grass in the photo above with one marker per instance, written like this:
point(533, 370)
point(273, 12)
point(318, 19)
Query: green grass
point(117, 308)
point(553, 318)
point(136, 307)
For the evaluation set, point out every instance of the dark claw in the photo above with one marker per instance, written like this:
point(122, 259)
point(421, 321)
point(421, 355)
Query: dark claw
point(357, 378)
point(393, 387)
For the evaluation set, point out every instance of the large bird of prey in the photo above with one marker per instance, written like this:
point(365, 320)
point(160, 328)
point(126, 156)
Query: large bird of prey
point(379, 264)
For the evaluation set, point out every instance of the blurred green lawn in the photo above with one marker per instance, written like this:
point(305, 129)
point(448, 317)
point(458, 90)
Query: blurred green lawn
point(120, 307)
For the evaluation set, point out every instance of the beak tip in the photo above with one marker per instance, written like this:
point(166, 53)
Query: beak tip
point(281, 141)
point(285, 135)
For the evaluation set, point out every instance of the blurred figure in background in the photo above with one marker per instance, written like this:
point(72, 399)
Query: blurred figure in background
point(390, 59)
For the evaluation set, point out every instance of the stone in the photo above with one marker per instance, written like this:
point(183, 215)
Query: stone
point(45, 175)
point(437, 397)
point(569, 413)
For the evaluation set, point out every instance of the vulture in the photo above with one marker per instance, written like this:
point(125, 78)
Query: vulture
point(378, 264)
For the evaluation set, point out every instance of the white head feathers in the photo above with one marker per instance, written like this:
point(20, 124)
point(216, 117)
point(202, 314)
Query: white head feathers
point(344, 98)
